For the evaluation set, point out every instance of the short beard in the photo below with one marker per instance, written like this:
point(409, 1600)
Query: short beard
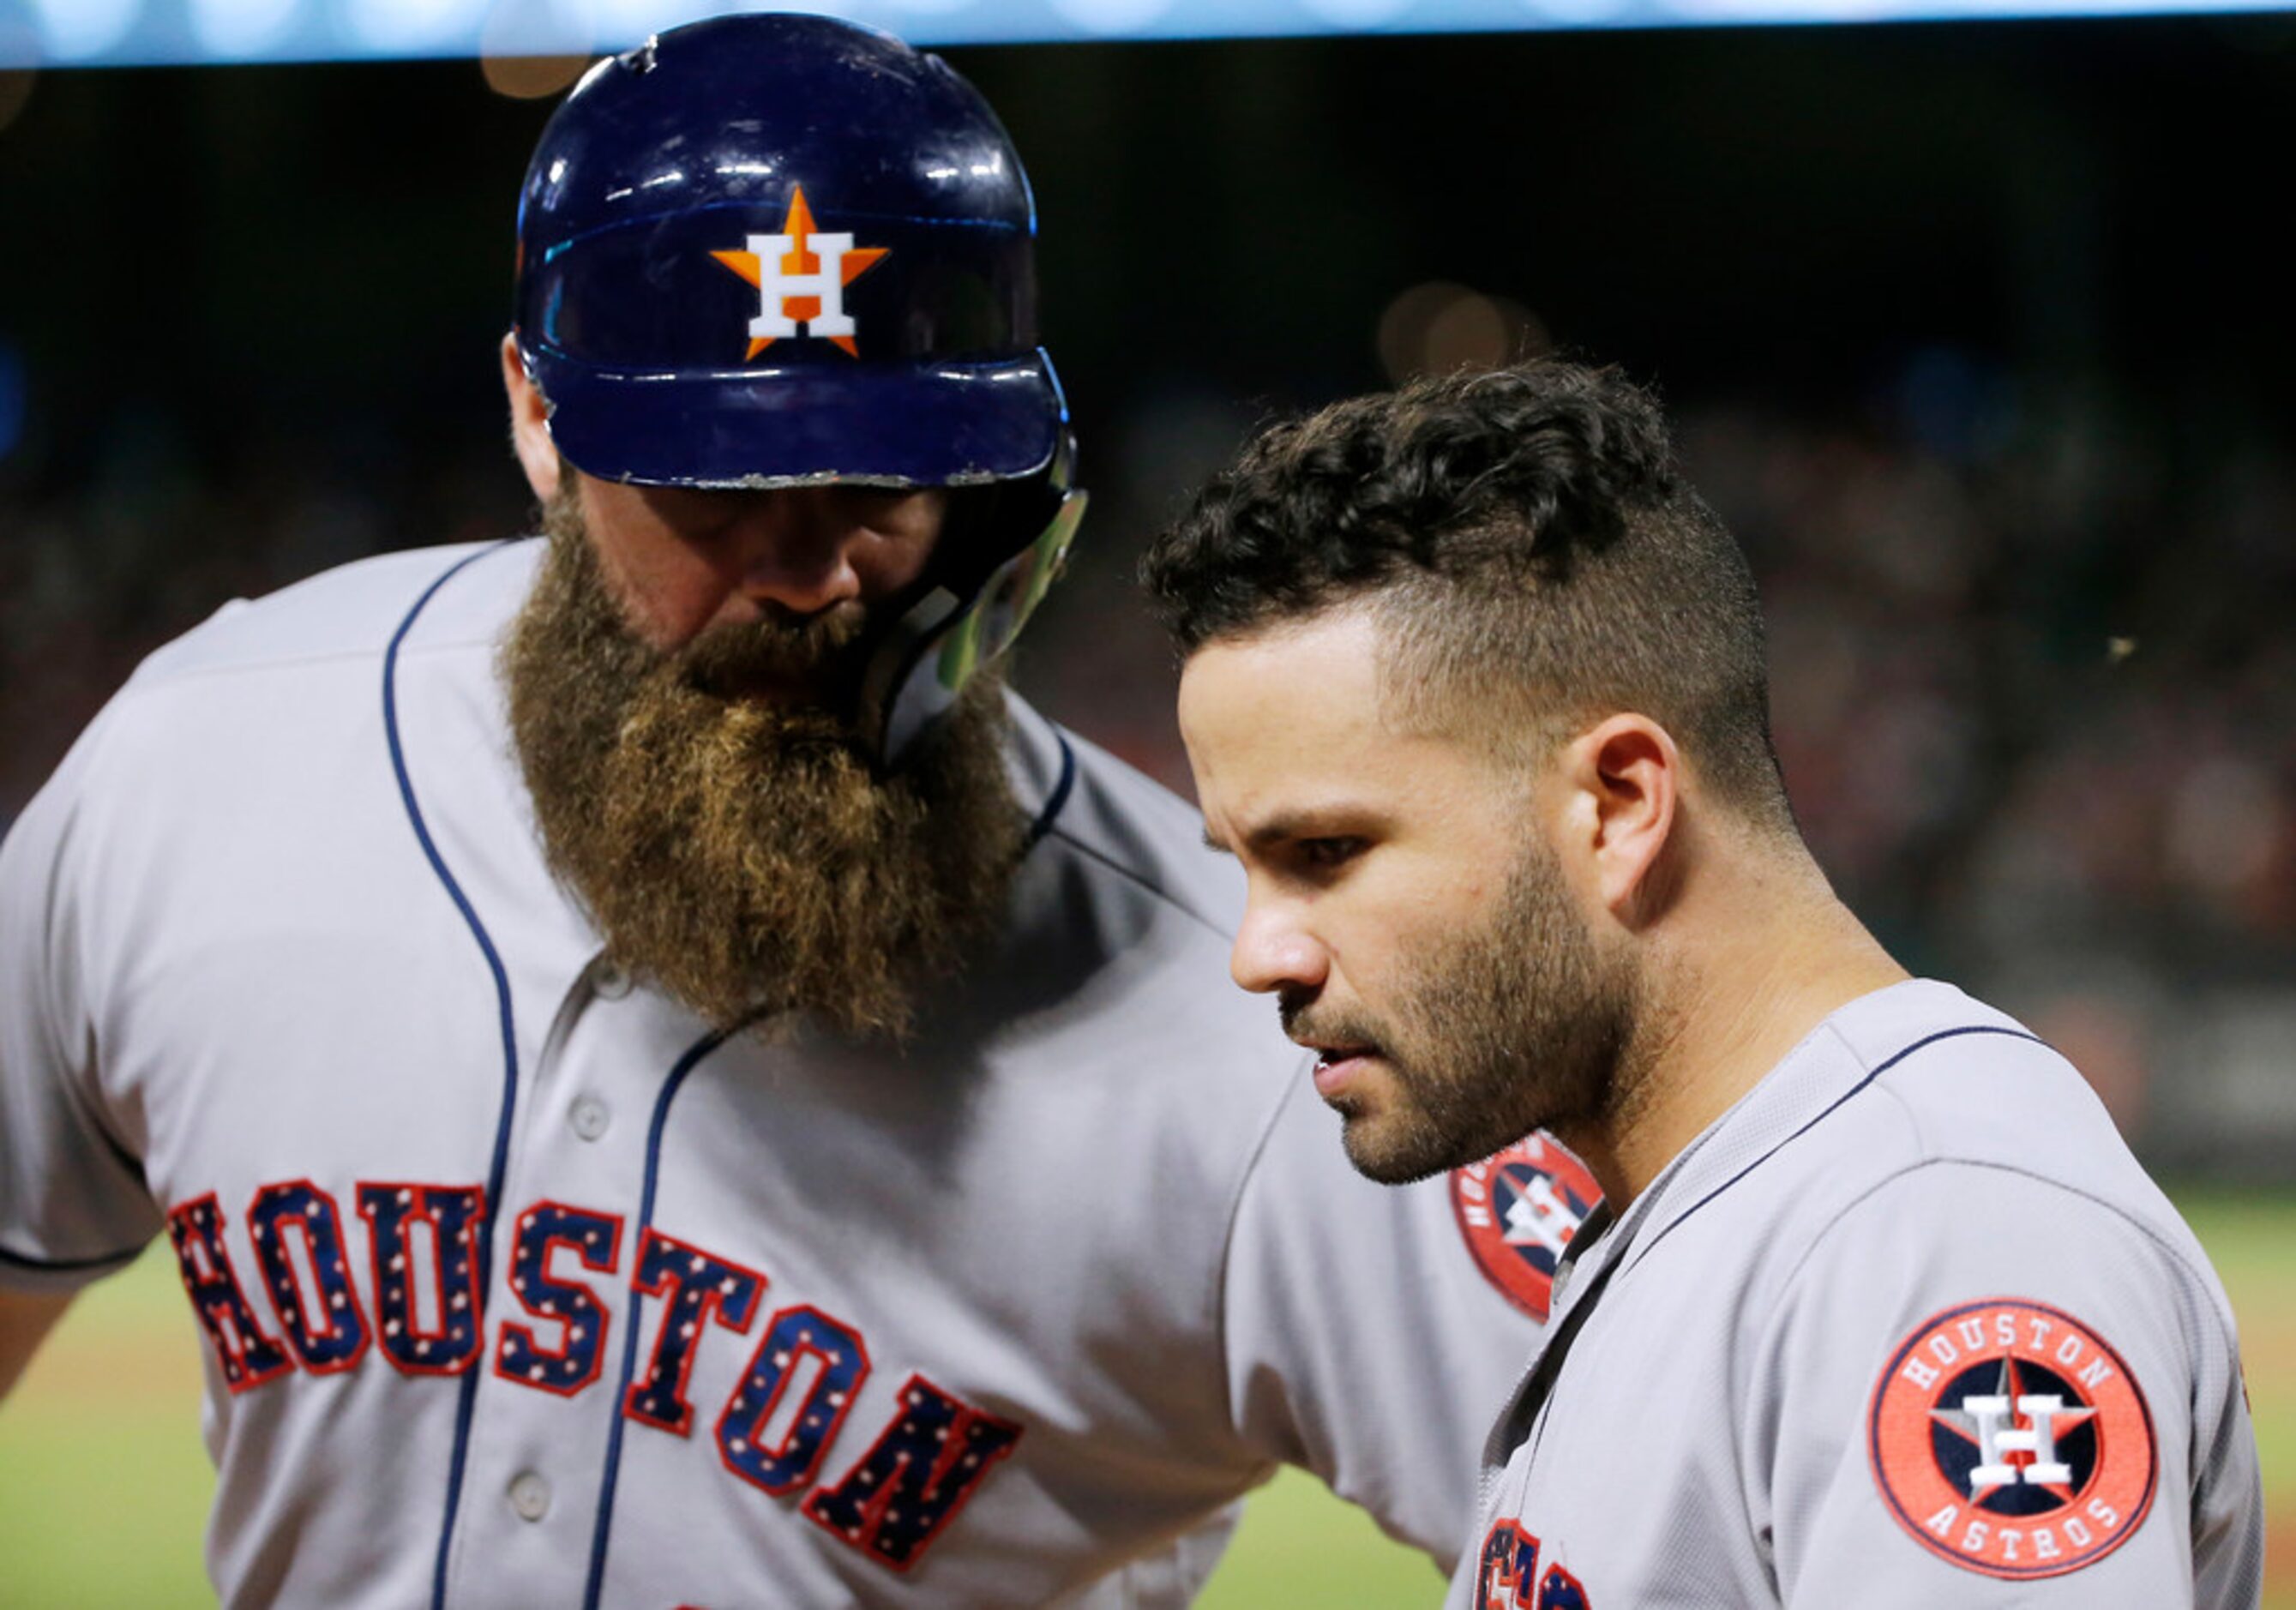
point(746, 857)
point(1519, 1025)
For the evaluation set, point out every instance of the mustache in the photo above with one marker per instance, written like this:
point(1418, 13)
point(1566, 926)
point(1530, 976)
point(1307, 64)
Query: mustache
point(1296, 1009)
point(826, 651)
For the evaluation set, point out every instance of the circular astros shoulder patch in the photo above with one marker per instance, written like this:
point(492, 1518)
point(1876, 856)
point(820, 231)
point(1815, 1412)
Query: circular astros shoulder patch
point(2008, 1437)
point(1518, 1211)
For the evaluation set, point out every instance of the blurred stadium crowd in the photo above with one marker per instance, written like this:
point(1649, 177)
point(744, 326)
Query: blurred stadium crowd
point(2035, 691)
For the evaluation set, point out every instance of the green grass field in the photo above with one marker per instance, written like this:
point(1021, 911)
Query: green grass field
point(103, 1483)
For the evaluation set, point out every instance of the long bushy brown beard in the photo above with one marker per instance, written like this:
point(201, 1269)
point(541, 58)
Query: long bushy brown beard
point(745, 855)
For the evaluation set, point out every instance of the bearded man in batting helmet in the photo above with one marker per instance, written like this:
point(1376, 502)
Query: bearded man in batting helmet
point(664, 1083)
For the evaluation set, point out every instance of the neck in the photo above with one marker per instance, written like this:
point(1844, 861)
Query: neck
point(1722, 1001)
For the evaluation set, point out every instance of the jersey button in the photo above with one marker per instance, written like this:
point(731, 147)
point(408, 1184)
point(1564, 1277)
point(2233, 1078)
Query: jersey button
point(529, 1496)
point(610, 981)
point(590, 1117)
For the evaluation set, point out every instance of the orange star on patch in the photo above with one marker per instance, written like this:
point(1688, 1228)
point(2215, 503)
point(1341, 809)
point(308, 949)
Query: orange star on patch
point(805, 295)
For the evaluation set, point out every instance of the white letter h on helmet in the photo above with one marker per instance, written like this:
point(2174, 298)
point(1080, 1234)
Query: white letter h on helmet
point(776, 287)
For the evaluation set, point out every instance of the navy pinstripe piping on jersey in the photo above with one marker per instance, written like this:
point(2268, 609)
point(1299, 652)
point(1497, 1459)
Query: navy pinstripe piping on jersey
point(466, 1401)
point(604, 1531)
point(1830, 1108)
point(68, 1265)
point(601, 1532)
point(1519, 1400)
point(1054, 800)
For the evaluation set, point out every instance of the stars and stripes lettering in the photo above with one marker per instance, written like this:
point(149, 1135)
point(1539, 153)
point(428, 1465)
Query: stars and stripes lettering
point(698, 1290)
point(925, 1465)
point(1508, 1578)
point(792, 1399)
point(247, 1356)
point(427, 1305)
point(424, 1310)
point(298, 1231)
point(567, 1351)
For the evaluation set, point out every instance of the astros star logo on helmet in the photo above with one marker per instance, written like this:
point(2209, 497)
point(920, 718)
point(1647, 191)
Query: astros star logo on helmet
point(2010, 1439)
point(805, 293)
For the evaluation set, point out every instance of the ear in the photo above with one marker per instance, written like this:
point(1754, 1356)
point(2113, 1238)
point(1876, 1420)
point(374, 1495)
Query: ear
point(529, 424)
point(1625, 776)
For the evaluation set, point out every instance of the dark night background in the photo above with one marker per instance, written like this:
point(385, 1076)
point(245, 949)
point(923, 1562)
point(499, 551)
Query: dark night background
point(1974, 333)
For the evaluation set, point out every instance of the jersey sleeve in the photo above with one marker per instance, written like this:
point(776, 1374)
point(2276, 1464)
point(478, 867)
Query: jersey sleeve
point(1362, 1341)
point(1982, 1388)
point(73, 1205)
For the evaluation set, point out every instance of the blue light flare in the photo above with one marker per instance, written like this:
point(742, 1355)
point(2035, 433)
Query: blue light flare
point(118, 33)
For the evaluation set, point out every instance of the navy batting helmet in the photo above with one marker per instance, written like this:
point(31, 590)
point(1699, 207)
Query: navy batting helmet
point(774, 251)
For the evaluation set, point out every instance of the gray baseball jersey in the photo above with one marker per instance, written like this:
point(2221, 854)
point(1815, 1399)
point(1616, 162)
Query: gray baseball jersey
point(520, 1288)
point(1907, 1327)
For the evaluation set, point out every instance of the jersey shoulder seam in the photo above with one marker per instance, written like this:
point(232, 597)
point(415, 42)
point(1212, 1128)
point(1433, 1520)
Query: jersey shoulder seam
point(1918, 1165)
point(149, 677)
point(1135, 876)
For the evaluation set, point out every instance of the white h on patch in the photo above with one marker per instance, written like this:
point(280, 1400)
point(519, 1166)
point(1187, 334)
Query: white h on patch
point(777, 288)
point(1540, 1217)
point(1995, 1441)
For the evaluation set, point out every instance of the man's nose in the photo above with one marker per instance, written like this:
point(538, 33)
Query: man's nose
point(794, 547)
point(1274, 949)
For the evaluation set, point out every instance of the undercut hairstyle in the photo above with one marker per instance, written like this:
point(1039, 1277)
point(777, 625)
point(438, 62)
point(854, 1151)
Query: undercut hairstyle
point(1526, 541)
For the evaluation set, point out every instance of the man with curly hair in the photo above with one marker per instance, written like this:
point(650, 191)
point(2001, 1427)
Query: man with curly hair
point(1878, 1309)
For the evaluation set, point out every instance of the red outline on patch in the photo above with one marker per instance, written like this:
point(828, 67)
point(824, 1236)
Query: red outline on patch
point(1512, 1275)
point(2124, 1434)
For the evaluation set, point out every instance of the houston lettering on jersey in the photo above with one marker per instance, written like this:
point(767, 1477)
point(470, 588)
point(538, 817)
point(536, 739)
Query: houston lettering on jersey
point(775, 1432)
point(2008, 1438)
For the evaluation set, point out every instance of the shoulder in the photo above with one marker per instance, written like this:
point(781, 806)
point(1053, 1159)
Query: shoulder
point(261, 679)
point(1988, 1098)
point(1100, 811)
point(352, 612)
point(1922, 1131)
point(1932, 1085)
point(259, 710)
point(1978, 1168)
point(1117, 953)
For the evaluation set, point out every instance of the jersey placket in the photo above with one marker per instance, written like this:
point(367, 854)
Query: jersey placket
point(569, 1231)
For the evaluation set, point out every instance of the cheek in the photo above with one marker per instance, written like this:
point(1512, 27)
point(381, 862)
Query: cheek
point(1370, 945)
point(888, 564)
point(668, 591)
point(1419, 911)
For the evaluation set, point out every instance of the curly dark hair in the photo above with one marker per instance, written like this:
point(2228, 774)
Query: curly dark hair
point(1527, 538)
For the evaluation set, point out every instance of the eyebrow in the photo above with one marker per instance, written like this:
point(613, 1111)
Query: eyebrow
point(1312, 822)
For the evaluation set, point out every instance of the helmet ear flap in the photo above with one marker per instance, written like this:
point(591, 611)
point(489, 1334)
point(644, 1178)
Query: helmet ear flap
point(945, 637)
point(987, 524)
